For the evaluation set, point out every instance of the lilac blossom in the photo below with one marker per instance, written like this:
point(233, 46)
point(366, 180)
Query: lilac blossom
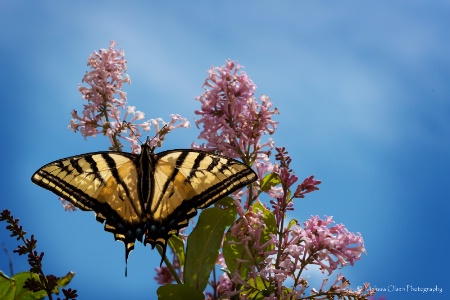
point(322, 243)
point(340, 288)
point(106, 102)
point(233, 119)
point(163, 275)
point(67, 205)
point(224, 284)
point(233, 124)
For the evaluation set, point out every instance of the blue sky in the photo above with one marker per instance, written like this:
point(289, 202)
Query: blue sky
point(362, 89)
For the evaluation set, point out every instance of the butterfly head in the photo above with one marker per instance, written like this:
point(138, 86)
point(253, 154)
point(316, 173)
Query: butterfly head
point(156, 141)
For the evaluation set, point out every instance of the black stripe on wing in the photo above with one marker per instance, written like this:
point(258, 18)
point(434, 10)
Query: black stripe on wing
point(178, 164)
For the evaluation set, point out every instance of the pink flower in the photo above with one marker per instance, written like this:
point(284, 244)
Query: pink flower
point(280, 207)
point(263, 168)
point(340, 288)
point(67, 205)
point(307, 186)
point(287, 177)
point(163, 276)
point(224, 285)
point(328, 247)
point(106, 102)
point(176, 122)
point(233, 120)
point(104, 81)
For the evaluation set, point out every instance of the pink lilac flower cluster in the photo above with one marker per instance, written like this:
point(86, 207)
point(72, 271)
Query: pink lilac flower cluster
point(233, 125)
point(106, 102)
point(233, 119)
point(321, 243)
point(287, 255)
point(340, 289)
point(287, 178)
point(248, 231)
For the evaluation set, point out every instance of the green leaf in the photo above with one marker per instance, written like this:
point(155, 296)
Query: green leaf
point(233, 252)
point(65, 280)
point(261, 289)
point(26, 294)
point(12, 288)
point(7, 287)
point(177, 245)
point(203, 244)
point(291, 224)
point(225, 203)
point(270, 180)
point(179, 291)
point(3, 276)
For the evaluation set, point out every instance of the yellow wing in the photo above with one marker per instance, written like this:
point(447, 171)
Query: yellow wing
point(104, 182)
point(186, 180)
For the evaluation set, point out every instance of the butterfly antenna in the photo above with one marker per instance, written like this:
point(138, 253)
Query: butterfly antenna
point(162, 132)
point(159, 136)
point(134, 132)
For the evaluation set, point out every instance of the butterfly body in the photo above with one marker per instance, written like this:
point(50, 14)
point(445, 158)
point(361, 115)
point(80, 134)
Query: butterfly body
point(147, 197)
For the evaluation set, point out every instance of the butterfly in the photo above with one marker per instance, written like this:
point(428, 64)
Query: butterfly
point(146, 197)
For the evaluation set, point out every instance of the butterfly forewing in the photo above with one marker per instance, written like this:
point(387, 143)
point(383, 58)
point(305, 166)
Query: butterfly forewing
point(194, 179)
point(93, 179)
